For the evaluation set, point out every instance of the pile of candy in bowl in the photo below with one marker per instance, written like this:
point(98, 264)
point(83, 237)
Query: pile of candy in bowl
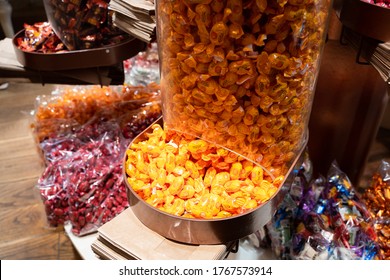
point(192, 178)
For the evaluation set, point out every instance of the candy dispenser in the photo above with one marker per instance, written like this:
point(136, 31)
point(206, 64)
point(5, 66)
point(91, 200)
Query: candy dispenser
point(237, 83)
point(242, 74)
point(197, 201)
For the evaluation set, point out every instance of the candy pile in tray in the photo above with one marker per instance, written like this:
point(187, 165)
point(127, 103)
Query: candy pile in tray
point(82, 133)
point(81, 24)
point(380, 3)
point(41, 38)
point(189, 177)
point(324, 218)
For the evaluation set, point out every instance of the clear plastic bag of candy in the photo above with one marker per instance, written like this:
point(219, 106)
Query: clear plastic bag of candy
point(329, 221)
point(97, 201)
point(89, 153)
point(135, 122)
point(377, 199)
point(69, 107)
point(53, 193)
point(143, 68)
point(60, 154)
point(75, 102)
point(92, 174)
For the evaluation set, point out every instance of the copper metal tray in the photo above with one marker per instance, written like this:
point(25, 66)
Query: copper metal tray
point(197, 231)
point(79, 59)
point(365, 18)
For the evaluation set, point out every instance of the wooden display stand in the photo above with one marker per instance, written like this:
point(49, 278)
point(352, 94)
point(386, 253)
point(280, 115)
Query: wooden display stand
point(351, 95)
point(348, 106)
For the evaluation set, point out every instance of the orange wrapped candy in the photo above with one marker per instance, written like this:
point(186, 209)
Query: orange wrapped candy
point(241, 74)
point(193, 178)
point(377, 199)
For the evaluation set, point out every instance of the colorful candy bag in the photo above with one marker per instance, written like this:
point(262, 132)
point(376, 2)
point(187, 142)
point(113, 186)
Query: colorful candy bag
point(143, 68)
point(323, 219)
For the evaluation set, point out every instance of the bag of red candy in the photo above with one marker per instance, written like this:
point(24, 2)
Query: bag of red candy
point(83, 154)
point(82, 182)
point(93, 174)
point(53, 193)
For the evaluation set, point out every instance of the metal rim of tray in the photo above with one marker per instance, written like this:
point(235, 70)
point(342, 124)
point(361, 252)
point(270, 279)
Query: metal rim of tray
point(78, 59)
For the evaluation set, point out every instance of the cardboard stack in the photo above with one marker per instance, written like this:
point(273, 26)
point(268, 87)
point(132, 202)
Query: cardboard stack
point(380, 59)
point(136, 17)
point(370, 51)
point(126, 238)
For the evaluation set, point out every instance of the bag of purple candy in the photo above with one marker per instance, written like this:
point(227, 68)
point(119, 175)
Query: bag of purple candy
point(323, 218)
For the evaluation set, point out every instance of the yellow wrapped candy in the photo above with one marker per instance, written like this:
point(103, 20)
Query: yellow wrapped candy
point(194, 178)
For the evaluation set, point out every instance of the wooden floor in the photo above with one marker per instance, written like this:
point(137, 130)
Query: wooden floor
point(23, 231)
